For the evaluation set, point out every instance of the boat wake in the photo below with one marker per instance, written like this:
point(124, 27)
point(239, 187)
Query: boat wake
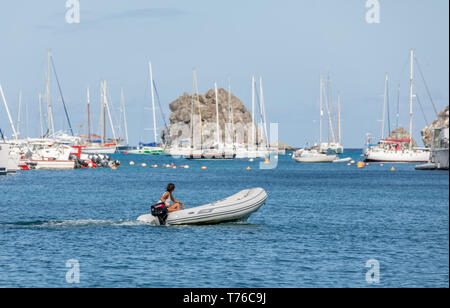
point(80, 223)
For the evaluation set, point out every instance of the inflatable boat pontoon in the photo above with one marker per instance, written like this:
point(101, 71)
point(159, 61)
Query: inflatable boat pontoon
point(234, 208)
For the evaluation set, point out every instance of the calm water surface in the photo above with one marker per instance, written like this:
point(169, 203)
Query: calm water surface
point(320, 226)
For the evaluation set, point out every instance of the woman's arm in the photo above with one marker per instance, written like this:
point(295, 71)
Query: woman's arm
point(176, 201)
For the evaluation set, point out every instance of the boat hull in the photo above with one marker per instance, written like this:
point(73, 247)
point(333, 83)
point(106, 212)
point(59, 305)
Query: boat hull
point(398, 157)
point(50, 164)
point(235, 208)
point(210, 157)
point(99, 150)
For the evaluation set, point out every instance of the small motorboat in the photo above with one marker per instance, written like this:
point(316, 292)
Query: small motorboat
point(237, 207)
point(312, 156)
point(342, 160)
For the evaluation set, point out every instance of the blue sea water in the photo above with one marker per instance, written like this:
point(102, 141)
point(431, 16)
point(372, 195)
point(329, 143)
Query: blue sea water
point(319, 227)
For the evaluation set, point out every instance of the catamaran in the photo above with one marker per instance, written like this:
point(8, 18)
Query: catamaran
point(398, 150)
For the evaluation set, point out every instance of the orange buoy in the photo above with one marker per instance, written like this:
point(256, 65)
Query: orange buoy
point(361, 164)
point(248, 168)
point(393, 169)
point(204, 168)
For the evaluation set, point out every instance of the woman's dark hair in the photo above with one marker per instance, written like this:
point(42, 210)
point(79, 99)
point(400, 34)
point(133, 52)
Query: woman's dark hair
point(170, 187)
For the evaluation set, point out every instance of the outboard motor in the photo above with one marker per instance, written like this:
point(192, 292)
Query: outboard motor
point(161, 212)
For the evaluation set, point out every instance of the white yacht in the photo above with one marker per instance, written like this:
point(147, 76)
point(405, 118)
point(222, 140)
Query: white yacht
point(395, 150)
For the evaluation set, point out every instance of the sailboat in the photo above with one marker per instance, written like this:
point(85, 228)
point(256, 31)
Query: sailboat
point(332, 145)
point(316, 154)
point(100, 145)
point(150, 148)
point(398, 150)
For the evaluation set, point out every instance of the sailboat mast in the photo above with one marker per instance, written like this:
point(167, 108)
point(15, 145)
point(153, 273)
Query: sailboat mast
point(9, 114)
point(122, 98)
point(252, 143)
point(50, 123)
point(383, 121)
point(263, 107)
point(40, 114)
point(217, 115)
point(321, 111)
point(89, 113)
point(153, 102)
point(330, 124)
point(230, 108)
point(104, 110)
point(192, 110)
point(398, 112)
point(19, 113)
point(411, 94)
point(199, 109)
point(27, 121)
point(109, 114)
point(339, 118)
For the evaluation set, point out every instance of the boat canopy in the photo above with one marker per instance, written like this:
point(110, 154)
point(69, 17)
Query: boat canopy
point(396, 141)
point(151, 144)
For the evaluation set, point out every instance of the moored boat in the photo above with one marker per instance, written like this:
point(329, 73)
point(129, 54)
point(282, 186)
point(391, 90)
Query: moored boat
point(312, 156)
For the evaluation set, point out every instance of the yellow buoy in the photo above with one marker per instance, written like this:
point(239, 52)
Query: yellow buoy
point(204, 168)
point(266, 160)
point(248, 168)
point(361, 164)
point(393, 169)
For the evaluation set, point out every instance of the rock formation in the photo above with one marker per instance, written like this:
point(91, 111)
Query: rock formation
point(204, 107)
point(401, 133)
point(440, 122)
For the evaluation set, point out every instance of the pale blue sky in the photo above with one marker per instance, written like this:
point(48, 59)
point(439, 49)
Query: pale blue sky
point(289, 43)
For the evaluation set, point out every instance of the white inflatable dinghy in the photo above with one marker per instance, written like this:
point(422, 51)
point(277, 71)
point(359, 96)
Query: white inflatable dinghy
point(234, 208)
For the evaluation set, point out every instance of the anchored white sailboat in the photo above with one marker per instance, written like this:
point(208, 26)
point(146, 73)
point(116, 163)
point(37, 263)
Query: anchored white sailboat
point(316, 154)
point(332, 145)
point(398, 150)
